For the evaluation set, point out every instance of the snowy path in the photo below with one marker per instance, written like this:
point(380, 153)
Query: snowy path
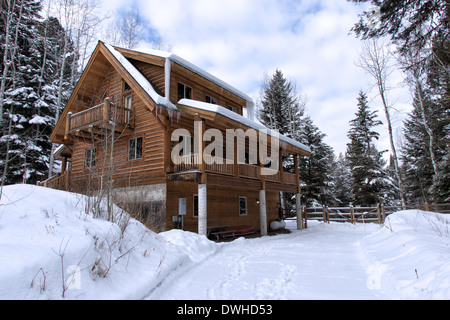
point(309, 264)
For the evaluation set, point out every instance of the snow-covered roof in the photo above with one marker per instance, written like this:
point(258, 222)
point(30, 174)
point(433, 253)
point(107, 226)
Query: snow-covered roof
point(141, 80)
point(242, 120)
point(190, 66)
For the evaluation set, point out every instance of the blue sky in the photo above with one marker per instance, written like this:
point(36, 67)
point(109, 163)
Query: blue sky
point(240, 40)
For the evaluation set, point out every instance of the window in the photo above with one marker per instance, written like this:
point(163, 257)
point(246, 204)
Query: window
point(128, 104)
point(232, 109)
point(187, 145)
point(242, 206)
point(195, 205)
point(211, 100)
point(126, 87)
point(135, 149)
point(91, 158)
point(184, 92)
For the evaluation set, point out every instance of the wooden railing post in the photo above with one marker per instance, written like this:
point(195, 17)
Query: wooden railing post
point(106, 107)
point(66, 134)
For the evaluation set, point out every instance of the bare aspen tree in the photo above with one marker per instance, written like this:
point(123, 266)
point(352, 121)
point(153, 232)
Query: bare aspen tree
point(80, 19)
point(10, 44)
point(127, 30)
point(415, 69)
point(375, 59)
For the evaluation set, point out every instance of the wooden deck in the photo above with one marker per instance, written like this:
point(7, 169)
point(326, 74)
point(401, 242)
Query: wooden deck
point(99, 119)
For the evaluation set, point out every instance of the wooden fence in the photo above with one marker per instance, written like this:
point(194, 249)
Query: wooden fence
point(352, 214)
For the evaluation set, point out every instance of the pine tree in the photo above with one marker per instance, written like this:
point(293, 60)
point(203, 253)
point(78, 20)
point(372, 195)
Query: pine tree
point(30, 96)
point(51, 47)
point(406, 22)
point(315, 170)
point(16, 144)
point(423, 183)
point(365, 161)
point(281, 106)
point(341, 182)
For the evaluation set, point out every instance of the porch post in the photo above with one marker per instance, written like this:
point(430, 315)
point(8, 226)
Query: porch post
point(262, 212)
point(298, 202)
point(202, 211)
point(298, 208)
point(63, 165)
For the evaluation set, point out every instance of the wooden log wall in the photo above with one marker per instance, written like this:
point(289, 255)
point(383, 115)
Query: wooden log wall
point(147, 170)
point(222, 205)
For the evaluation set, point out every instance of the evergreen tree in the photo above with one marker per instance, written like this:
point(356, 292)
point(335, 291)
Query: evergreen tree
point(406, 22)
point(281, 106)
point(17, 149)
point(441, 182)
point(31, 88)
point(341, 179)
point(51, 48)
point(315, 170)
point(423, 184)
point(365, 161)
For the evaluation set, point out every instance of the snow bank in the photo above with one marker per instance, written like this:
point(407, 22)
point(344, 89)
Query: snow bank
point(409, 258)
point(50, 247)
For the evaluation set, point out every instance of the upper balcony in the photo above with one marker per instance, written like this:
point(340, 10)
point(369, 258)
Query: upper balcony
point(246, 171)
point(103, 119)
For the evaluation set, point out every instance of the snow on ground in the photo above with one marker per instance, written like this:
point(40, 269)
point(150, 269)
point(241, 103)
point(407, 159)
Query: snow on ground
point(50, 247)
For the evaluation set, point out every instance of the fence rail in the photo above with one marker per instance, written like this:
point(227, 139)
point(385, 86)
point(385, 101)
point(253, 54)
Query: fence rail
point(376, 214)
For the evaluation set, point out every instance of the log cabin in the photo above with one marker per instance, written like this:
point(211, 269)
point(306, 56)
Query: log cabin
point(125, 119)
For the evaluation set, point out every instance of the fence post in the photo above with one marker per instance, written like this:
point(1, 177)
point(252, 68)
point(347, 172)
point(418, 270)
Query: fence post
point(383, 214)
point(326, 217)
point(379, 213)
point(306, 217)
point(352, 214)
point(427, 206)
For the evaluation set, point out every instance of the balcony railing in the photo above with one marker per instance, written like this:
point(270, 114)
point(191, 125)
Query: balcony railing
point(58, 182)
point(106, 115)
point(190, 163)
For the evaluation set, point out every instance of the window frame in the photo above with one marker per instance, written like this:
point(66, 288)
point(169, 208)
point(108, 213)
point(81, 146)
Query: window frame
point(135, 153)
point(193, 206)
point(90, 160)
point(211, 99)
point(185, 86)
point(126, 86)
point(128, 109)
point(245, 208)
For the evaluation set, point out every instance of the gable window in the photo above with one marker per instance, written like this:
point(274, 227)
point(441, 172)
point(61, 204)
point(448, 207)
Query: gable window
point(126, 87)
point(184, 92)
point(135, 149)
point(91, 158)
point(128, 103)
point(211, 100)
point(242, 206)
